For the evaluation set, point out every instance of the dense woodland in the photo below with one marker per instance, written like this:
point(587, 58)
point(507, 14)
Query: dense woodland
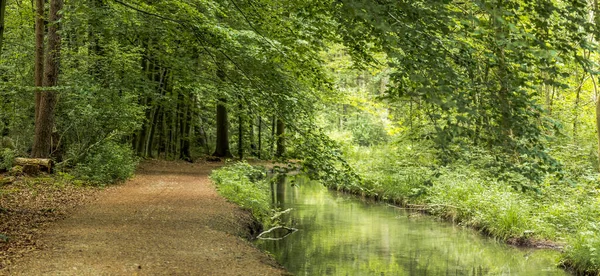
point(488, 105)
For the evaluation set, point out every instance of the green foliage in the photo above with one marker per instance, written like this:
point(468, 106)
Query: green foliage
point(106, 163)
point(367, 130)
point(323, 160)
point(468, 197)
point(7, 153)
point(246, 186)
point(7, 156)
point(583, 255)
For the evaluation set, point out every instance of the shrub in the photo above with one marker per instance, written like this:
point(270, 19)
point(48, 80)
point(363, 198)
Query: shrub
point(6, 158)
point(107, 163)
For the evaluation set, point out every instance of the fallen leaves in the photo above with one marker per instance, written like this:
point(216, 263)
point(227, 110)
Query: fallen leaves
point(27, 205)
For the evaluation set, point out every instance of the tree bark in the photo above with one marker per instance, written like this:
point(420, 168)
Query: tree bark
point(36, 162)
point(598, 125)
point(251, 134)
point(597, 36)
point(240, 133)
point(39, 54)
point(2, 13)
point(186, 153)
point(44, 125)
point(597, 115)
point(5, 120)
point(259, 136)
point(280, 138)
point(273, 122)
point(222, 148)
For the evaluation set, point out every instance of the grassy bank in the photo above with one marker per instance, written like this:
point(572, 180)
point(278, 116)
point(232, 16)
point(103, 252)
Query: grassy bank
point(246, 186)
point(559, 214)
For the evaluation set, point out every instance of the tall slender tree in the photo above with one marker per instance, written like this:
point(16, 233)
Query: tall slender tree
point(39, 54)
point(44, 125)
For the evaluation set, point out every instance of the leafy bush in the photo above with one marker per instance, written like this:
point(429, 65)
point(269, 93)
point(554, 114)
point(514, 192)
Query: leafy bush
point(247, 187)
point(109, 162)
point(7, 153)
point(6, 158)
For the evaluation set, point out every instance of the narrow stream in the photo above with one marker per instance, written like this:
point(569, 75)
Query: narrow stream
point(341, 234)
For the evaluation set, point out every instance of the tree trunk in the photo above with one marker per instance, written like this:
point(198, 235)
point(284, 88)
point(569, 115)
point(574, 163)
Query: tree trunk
point(39, 54)
point(259, 136)
point(2, 13)
point(5, 121)
point(42, 145)
point(597, 115)
point(35, 164)
point(240, 132)
point(597, 36)
point(222, 149)
point(251, 134)
point(186, 153)
point(280, 138)
point(598, 125)
point(273, 122)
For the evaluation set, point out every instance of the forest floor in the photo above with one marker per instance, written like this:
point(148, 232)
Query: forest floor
point(169, 219)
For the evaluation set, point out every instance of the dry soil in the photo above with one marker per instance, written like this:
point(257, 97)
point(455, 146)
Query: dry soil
point(168, 220)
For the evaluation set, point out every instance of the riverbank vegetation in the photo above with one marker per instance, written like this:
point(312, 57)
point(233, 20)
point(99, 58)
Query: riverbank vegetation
point(248, 187)
point(483, 112)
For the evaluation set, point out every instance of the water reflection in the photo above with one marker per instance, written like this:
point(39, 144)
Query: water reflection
point(342, 235)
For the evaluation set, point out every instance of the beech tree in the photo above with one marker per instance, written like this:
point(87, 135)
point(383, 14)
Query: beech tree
point(46, 99)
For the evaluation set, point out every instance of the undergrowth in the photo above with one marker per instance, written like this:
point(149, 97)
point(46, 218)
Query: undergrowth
point(246, 186)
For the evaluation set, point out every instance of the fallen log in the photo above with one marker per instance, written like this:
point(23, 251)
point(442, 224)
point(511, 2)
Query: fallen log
point(34, 165)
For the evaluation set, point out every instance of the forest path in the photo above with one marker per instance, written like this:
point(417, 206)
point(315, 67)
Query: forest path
point(168, 220)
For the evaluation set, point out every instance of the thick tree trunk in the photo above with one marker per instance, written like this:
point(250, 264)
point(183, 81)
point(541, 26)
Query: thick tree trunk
point(39, 54)
point(222, 149)
point(280, 138)
point(42, 145)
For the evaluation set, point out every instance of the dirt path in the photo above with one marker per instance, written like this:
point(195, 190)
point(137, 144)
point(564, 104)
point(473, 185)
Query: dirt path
point(168, 220)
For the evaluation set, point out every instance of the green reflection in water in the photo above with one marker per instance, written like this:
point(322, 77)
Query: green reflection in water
point(342, 235)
